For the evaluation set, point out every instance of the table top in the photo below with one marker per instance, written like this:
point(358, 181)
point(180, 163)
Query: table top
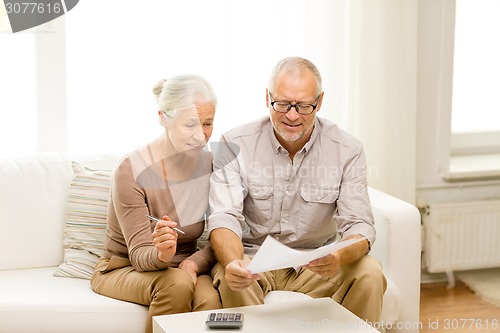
point(312, 315)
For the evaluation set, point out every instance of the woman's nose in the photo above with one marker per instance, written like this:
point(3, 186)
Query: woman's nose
point(198, 134)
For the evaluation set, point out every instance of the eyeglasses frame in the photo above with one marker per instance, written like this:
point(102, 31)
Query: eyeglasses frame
point(290, 106)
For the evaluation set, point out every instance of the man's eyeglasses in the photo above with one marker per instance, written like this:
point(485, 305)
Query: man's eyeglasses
point(284, 107)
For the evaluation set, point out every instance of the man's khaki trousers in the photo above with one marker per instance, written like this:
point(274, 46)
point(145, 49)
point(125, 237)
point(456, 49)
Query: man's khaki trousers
point(359, 287)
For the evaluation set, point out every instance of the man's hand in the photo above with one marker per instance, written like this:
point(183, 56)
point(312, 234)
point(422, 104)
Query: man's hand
point(229, 251)
point(238, 277)
point(327, 266)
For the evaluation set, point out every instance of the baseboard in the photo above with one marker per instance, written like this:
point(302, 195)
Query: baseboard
point(426, 277)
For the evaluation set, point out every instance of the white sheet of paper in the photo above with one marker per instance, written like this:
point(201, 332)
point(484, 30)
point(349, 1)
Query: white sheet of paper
point(274, 255)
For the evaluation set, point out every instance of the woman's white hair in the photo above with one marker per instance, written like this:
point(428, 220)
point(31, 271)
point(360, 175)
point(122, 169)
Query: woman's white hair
point(181, 91)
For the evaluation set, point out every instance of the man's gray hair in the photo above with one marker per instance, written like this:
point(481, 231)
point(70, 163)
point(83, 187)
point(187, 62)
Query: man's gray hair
point(296, 66)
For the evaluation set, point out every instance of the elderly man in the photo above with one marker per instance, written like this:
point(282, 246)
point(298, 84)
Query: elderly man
point(302, 180)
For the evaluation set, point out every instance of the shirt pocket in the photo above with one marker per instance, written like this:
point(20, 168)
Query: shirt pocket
point(258, 205)
point(316, 194)
point(317, 209)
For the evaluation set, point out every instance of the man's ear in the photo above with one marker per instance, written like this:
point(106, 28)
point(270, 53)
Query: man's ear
point(320, 101)
point(267, 98)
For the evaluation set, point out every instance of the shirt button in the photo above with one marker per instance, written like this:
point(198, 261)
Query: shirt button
point(277, 237)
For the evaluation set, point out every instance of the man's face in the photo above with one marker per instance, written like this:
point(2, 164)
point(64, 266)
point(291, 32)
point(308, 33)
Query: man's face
point(293, 129)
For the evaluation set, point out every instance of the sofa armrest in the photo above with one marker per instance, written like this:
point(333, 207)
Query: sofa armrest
point(397, 247)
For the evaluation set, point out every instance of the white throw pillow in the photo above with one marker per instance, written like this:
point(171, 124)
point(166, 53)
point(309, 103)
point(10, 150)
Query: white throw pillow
point(85, 224)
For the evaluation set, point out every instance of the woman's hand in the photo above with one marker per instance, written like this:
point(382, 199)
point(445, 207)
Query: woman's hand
point(165, 239)
point(191, 268)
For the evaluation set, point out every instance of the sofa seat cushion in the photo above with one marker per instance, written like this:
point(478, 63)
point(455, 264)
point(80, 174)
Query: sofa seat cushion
point(390, 309)
point(33, 300)
point(392, 303)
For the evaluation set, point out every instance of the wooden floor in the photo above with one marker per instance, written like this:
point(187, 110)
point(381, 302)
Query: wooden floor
point(456, 310)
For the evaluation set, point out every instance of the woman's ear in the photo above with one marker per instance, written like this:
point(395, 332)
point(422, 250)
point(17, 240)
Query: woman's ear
point(162, 118)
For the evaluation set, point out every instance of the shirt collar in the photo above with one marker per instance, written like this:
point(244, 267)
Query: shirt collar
point(276, 145)
point(314, 135)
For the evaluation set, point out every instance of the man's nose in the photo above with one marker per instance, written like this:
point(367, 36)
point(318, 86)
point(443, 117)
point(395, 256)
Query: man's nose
point(292, 114)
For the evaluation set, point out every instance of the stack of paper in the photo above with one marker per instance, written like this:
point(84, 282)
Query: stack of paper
point(274, 255)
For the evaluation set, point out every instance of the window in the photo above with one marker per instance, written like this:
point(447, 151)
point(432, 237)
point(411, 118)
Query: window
point(475, 122)
point(17, 84)
point(114, 62)
point(476, 72)
point(33, 99)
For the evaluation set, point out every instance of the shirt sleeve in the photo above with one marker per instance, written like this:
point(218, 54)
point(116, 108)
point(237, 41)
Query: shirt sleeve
point(226, 190)
point(354, 213)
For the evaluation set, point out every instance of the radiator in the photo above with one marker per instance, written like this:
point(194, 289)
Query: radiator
point(462, 236)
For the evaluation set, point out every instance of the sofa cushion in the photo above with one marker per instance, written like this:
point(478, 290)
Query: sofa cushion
point(33, 196)
point(85, 224)
point(33, 300)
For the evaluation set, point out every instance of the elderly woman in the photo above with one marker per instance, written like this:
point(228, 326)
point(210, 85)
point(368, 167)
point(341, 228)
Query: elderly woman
point(157, 262)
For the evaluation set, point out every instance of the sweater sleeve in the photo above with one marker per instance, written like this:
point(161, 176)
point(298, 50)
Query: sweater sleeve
point(204, 259)
point(130, 208)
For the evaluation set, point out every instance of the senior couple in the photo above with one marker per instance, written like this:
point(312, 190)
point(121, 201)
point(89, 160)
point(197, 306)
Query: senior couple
point(293, 176)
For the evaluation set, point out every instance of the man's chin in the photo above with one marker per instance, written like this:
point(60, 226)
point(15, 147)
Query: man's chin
point(289, 136)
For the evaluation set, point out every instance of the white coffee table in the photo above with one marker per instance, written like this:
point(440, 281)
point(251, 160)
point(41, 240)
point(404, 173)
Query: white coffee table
point(312, 315)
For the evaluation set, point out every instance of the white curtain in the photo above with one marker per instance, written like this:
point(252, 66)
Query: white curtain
point(382, 91)
point(117, 51)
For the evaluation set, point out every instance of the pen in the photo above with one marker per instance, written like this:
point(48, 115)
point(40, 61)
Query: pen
point(158, 220)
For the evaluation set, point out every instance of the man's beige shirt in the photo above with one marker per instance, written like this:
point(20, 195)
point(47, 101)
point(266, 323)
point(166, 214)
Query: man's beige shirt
point(256, 190)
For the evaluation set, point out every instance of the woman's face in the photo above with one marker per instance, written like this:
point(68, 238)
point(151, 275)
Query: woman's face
point(191, 127)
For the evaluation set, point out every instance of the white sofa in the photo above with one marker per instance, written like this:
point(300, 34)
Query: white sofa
point(33, 198)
